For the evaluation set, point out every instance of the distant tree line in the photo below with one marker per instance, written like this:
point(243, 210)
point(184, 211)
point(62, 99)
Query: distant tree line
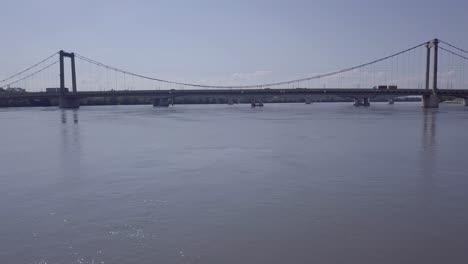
point(12, 90)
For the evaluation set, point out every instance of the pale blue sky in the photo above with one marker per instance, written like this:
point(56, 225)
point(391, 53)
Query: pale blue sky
point(224, 41)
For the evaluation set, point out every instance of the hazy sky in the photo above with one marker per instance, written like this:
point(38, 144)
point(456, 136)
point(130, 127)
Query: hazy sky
point(224, 41)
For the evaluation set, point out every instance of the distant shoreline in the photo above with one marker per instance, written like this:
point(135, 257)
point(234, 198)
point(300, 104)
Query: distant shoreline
point(179, 101)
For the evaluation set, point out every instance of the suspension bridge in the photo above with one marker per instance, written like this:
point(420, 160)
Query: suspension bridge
point(433, 70)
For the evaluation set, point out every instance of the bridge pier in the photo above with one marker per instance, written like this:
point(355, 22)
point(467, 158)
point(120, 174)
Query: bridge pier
point(357, 102)
point(256, 103)
point(161, 102)
point(3, 102)
point(362, 101)
point(430, 101)
point(69, 102)
point(366, 101)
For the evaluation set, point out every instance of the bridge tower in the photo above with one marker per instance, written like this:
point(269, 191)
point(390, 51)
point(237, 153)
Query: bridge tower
point(431, 100)
point(68, 99)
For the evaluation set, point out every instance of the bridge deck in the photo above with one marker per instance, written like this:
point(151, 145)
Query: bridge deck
point(242, 92)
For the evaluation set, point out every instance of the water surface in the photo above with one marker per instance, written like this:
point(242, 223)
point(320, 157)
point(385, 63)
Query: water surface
point(289, 183)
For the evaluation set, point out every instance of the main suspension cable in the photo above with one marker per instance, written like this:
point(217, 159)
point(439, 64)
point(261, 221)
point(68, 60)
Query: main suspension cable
point(23, 71)
point(453, 46)
point(453, 53)
point(247, 86)
point(32, 74)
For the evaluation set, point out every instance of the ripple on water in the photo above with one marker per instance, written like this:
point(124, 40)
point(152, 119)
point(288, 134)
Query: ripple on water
point(76, 261)
point(128, 231)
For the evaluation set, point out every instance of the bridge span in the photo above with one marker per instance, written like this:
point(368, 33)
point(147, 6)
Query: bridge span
point(163, 97)
point(389, 75)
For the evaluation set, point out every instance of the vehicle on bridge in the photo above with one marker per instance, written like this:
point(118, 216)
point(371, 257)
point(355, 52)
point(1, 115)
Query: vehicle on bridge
point(380, 87)
point(385, 87)
point(55, 90)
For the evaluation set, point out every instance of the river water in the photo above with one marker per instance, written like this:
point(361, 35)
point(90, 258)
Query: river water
point(289, 183)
